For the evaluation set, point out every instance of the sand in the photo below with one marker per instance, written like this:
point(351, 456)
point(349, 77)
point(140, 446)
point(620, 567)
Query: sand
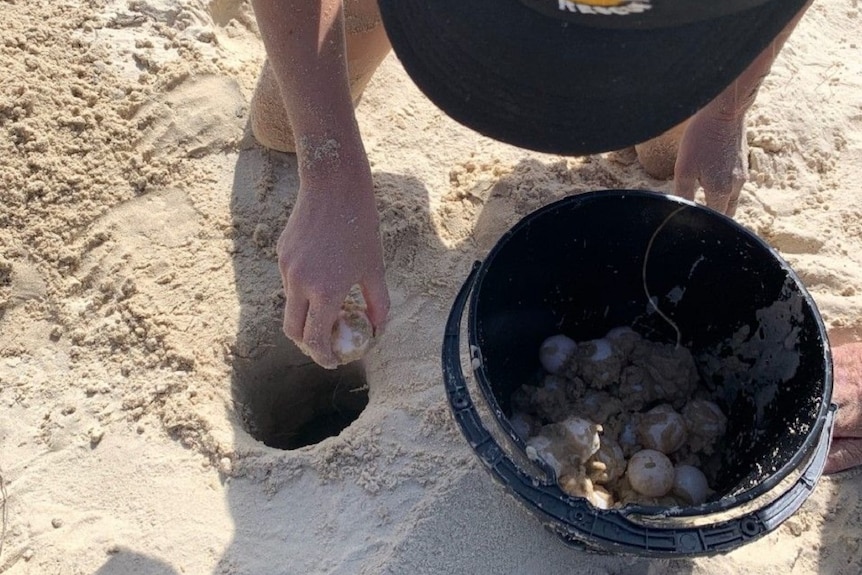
point(140, 306)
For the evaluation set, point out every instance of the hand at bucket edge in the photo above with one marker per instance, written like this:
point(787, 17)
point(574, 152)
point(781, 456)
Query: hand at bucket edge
point(846, 449)
point(713, 152)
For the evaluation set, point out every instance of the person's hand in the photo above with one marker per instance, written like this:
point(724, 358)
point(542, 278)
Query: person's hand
point(846, 449)
point(331, 242)
point(713, 152)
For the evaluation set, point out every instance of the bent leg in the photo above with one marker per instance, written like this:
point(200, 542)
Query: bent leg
point(367, 46)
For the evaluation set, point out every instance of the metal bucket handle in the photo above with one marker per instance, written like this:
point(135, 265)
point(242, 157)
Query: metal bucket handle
point(610, 531)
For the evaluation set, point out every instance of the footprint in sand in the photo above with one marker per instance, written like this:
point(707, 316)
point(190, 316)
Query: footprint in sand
point(199, 116)
point(790, 241)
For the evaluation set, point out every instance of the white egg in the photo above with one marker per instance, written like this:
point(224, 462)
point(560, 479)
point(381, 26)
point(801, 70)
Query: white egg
point(555, 352)
point(650, 473)
point(351, 335)
point(662, 429)
point(690, 485)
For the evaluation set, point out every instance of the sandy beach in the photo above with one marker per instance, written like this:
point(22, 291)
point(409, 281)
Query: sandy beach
point(142, 367)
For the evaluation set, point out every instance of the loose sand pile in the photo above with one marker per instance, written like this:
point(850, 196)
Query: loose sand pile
point(140, 307)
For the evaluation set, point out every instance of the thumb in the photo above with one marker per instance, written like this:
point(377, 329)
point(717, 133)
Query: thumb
point(377, 302)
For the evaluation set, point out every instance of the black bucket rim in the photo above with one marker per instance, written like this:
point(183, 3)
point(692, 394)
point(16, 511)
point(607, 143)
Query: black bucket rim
point(812, 454)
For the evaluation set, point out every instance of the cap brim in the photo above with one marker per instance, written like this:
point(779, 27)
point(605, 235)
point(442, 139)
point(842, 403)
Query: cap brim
point(524, 78)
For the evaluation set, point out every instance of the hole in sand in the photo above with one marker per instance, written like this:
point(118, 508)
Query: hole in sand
point(287, 401)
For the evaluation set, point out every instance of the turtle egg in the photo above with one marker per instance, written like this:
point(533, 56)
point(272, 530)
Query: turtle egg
point(602, 350)
point(555, 352)
point(608, 463)
point(540, 447)
point(621, 332)
point(704, 418)
point(583, 437)
point(351, 335)
point(662, 429)
point(650, 473)
point(690, 485)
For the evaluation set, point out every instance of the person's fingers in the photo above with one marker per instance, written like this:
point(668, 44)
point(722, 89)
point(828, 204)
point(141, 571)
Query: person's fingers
point(295, 314)
point(844, 454)
point(295, 304)
point(317, 337)
point(732, 204)
point(718, 201)
point(847, 390)
point(377, 301)
point(848, 420)
point(684, 185)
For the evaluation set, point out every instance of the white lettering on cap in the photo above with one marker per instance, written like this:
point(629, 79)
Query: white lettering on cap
point(624, 8)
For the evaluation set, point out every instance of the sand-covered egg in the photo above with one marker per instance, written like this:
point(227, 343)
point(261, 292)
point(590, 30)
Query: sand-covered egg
point(598, 362)
point(565, 446)
point(608, 463)
point(550, 451)
point(690, 484)
point(650, 473)
point(705, 423)
point(351, 334)
point(663, 429)
point(582, 436)
point(612, 417)
point(555, 351)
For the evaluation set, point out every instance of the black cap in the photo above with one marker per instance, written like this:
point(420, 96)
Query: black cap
point(578, 77)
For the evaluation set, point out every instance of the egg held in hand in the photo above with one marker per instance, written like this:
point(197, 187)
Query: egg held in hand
point(351, 334)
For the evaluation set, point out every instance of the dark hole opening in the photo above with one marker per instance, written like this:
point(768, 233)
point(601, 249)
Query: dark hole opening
point(286, 401)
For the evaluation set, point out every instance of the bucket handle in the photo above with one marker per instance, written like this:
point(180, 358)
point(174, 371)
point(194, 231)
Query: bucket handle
point(579, 523)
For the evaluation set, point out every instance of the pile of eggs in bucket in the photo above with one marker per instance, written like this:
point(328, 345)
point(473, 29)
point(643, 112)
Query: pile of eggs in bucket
point(621, 420)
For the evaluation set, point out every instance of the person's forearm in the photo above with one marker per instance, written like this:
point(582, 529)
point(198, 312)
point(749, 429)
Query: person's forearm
point(737, 98)
point(305, 45)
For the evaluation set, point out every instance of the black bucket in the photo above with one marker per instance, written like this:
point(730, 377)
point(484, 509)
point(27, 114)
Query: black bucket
point(578, 267)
